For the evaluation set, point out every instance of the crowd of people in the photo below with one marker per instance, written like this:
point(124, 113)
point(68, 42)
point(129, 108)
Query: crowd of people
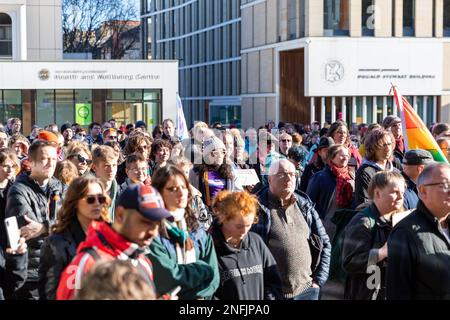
point(109, 212)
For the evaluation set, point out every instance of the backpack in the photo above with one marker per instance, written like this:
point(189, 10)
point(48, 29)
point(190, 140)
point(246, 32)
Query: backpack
point(341, 218)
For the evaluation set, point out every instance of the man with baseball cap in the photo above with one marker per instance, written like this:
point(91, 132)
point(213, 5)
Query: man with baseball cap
point(394, 124)
point(414, 162)
point(139, 210)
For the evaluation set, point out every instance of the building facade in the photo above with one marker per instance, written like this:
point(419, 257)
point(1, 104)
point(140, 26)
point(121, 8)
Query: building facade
point(304, 60)
point(37, 86)
point(204, 36)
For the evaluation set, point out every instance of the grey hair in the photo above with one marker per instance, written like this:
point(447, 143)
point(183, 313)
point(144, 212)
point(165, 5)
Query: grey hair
point(275, 165)
point(428, 171)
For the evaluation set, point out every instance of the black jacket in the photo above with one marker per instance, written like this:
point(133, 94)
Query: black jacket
point(419, 258)
point(321, 257)
point(13, 273)
point(57, 252)
point(25, 197)
point(260, 279)
point(364, 235)
point(3, 236)
point(310, 170)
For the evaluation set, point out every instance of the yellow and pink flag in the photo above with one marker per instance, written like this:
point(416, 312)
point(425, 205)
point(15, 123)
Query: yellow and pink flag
point(415, 133)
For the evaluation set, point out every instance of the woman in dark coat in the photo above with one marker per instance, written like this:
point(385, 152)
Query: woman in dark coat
point(85, 201)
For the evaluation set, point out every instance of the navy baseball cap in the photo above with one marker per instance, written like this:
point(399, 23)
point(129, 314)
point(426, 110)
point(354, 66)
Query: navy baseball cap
point(146, 200)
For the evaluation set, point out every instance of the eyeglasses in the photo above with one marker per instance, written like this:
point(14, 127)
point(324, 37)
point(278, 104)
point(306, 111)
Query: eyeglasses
point(100, 198)
point(284, 175)
point(445, 185)
point(112, 137)
point(82, 159)
point(286, 140)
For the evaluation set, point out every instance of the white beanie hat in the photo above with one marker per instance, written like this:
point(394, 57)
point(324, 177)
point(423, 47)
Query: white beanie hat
point(211, 144)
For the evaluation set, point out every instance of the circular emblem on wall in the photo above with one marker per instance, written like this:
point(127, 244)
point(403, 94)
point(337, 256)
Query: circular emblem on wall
point(334, 71)
point(83, 112)
point(44, 74)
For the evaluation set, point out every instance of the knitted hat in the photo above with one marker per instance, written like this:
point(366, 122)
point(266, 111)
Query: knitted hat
point(65, 126)
point(211, 144)
point(47, 136)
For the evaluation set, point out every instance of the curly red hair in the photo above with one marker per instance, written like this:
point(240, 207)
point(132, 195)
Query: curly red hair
point(228, 205)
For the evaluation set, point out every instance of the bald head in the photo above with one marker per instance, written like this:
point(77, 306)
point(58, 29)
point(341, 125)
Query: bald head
point(434, 189)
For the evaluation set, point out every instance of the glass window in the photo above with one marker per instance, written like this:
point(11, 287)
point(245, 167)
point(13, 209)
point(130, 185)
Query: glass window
point(408, 18)
point(226, 115)
point(5, 36)
point(368, 18)
point(45, 107)
point(446, 18)
point(370, 106)
point(151, 114)
point(132, 94)
point(336, 18)
point(359, 110)
point(152, 94)
point(115, 94)
point(12, 100)
point(64, 107)
point(380, 107)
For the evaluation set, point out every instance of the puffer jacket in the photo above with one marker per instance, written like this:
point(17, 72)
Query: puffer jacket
point(57, 252)
point(320, 272)
point(25, 197)
point(419, 258)
point(108, 245)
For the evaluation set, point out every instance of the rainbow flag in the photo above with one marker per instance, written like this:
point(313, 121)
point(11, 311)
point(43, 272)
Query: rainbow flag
point(415, 133)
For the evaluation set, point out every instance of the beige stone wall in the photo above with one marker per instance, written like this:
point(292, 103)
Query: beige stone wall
point(355, 18)
point(439, 21)
point(247, 28)
point(446, 74)
point(383, 18)
point(424, 19)
point(445, 109)
point(314, 18)
point(398, 28)
point(259, 24)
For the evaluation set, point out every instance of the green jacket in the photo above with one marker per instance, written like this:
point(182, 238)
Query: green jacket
point(197, 280)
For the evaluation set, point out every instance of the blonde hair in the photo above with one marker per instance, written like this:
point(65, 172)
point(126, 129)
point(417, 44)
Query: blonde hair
point(66, 172)
point(228, 205)
point(115, 280)
point(104, 153)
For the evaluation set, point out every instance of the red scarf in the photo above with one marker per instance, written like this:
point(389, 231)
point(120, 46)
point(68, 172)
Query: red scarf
point(344, 190)
point(400, 145)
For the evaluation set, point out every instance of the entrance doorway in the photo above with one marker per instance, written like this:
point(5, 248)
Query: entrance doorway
point(131, 111)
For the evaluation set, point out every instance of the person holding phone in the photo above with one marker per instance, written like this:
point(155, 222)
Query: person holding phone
point(12, 262)
point(34, 199)
point(85, 201)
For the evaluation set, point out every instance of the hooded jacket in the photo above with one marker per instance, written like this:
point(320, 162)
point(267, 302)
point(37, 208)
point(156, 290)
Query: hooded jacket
point(25, 197)
point(108, 244)
point(246, 273)
point(57, 252)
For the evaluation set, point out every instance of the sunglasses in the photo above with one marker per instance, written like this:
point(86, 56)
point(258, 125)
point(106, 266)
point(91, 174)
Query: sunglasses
point(82, 159)
point(91, 199)
point(113, 137)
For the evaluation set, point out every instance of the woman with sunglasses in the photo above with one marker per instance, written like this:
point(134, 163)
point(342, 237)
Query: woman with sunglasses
point(85, 201)
point(78, 153)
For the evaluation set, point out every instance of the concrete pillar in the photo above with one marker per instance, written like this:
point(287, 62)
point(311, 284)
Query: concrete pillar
point(355, 18)
point(423, 23)
point(314, 18)
point(398, 11)
point(383, 18)
point(439, 19)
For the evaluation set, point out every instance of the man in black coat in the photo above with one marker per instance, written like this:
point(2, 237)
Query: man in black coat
point(419, 245)
point(34, 199)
